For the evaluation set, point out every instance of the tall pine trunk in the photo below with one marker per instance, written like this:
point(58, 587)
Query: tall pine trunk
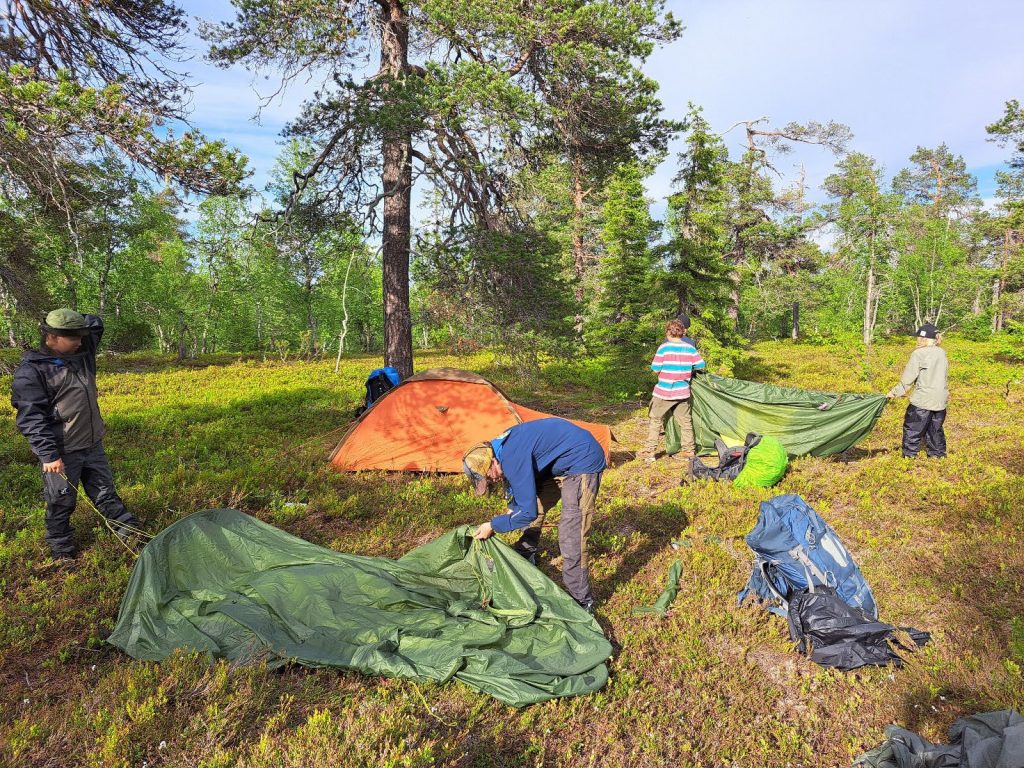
point(104, 278)
point(999, 285)
point(733, 310)
point(397, 182)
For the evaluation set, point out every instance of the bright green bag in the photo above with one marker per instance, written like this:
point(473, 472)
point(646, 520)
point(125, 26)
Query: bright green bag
point(765, 464)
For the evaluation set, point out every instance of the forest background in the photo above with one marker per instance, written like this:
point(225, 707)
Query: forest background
point(460, 177)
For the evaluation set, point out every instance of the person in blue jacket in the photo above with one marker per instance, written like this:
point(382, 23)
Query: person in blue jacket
point(541, 461)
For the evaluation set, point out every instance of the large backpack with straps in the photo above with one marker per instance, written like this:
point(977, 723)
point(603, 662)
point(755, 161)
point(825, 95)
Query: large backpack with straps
point(795, 551)
point(378, 383)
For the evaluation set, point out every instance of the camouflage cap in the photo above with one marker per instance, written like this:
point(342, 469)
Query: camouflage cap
point(475, 463)
point(65, 322)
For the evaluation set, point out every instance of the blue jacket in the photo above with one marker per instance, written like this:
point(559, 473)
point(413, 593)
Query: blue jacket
point(536, 451)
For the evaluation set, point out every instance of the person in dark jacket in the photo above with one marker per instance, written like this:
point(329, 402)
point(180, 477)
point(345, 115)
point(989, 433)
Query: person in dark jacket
point(541, 462)
point(54, 392)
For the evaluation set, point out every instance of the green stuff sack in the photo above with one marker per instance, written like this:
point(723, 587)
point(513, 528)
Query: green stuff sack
point(765, 464)
point(805, 421)
point(227, 584)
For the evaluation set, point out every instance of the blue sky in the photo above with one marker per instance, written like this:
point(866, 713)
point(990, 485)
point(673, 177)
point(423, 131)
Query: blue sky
point(900, 73)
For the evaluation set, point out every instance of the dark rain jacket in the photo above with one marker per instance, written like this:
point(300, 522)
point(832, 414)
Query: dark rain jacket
point(55, 396)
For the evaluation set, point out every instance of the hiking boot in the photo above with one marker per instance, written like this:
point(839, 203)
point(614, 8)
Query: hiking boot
point(646, 456)
point(588, 605)
point(64, 559)
point(130, 532)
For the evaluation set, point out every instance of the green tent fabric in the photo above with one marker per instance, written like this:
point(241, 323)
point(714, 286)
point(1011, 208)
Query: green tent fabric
point(764, 465)
point(664, 601)
point(805, 421)
point(673, 440)
point(223, 582)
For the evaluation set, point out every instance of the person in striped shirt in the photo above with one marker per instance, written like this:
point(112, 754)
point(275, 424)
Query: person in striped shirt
point(675, 361)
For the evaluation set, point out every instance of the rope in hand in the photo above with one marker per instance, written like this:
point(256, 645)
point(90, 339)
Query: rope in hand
point(137, 532)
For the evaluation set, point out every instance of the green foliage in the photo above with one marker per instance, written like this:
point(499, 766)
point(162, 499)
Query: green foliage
point(937, 178)
point(129, 336)
point(499, 289)
point(226, 283)
point(87, 96)
point(492, 87)
point(698, 222)
point(865, 216)
point(1010, 345)
point(627, 295)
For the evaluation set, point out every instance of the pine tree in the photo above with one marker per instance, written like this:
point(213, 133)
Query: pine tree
point(464, 94)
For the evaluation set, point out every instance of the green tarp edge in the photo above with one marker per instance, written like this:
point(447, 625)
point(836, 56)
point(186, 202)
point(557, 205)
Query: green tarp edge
point(805, 421)
point(227, 584)
point(664, 601)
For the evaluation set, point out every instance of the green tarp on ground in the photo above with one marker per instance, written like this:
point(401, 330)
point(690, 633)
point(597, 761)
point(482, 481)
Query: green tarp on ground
point(223, 582)
point(806, 422)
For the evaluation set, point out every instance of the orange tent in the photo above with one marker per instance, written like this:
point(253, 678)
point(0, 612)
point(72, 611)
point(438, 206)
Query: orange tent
point(427, 423)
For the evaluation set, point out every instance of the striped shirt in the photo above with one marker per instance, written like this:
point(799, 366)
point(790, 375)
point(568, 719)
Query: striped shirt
point(674, 363)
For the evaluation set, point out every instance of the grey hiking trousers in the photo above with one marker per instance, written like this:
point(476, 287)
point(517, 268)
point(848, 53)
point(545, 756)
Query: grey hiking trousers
point(578, 494)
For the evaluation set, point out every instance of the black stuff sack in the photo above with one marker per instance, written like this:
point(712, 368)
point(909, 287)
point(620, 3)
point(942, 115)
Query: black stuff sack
point(833, 634)
point(731, 460)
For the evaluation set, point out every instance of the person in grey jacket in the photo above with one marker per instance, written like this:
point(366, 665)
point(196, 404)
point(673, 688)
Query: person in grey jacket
point(926, 372)
point(54, 392)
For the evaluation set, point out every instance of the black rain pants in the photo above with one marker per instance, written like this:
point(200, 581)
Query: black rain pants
point(92, 468)
point(918, 423)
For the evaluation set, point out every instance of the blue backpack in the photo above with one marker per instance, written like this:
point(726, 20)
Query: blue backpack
point(379, 382)
point(797, 551)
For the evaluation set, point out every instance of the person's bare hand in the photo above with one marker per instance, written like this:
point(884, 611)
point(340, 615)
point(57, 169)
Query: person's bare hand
point(485, 531)
point(54, 466)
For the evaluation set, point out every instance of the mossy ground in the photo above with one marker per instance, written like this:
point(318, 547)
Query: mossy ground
point(712, 684)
